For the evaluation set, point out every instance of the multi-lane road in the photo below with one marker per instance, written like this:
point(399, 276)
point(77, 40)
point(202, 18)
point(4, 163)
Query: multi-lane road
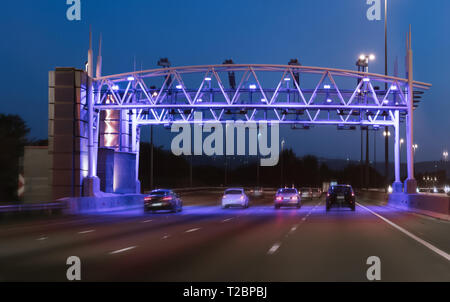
point(206, 243)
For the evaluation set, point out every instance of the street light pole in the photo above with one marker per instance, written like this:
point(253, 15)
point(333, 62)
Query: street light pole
point(386, 129)
point(402, 141)
point(363, 64)
point(282, 163)
point(257, 165)
point(151, 158)
point(385, 42)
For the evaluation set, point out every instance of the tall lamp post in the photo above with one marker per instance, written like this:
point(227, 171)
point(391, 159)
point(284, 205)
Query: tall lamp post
point(257, 165)
point(386, 129)
point(165, 63)
point(363, 66)
point(281, 174)
point(415, 147)
point(386, 135)
point(402, 141)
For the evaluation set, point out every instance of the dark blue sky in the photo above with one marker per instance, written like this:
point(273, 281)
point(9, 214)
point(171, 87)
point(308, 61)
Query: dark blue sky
point(36, 37)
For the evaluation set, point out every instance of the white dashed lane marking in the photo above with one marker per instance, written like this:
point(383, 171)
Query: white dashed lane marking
point(86, 232)
point(122, 250)
point(192, 230)
point(294, 228)
point(274, 248)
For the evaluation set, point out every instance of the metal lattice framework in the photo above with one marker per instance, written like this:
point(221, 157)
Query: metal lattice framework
point(298, 95)
point(286, 101)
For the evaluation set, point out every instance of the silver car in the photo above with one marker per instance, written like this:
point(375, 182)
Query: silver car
point(306, 193)
point(287, 197)
point(235, 197)
point(316, 193)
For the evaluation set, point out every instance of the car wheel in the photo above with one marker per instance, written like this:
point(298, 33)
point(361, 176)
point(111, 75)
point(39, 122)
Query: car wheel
point(299, 206)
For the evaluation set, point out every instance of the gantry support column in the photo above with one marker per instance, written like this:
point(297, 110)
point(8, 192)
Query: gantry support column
point(91, 183)
point(410, 183)
point(135, 146)
point(397, 187)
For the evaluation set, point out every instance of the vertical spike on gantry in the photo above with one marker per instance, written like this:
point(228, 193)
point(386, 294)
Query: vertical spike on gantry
point(90, 55)
point(410, 37)
point(410, 184)
point(98, 70)
point(396, 67)
point(89, 101)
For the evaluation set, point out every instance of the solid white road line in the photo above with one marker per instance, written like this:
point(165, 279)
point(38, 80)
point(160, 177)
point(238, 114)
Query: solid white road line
point(423, 242)
point(86, 232)
point(192, 230)
point(274, 248)
point(122, 250)
point(165, 237)
point(226, 220)
point(145, 221)
point(41, 238)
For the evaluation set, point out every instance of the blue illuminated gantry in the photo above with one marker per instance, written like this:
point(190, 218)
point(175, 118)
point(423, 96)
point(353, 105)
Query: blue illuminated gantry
point(167, 95)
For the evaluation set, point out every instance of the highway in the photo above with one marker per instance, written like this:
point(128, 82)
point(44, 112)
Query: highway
point(207, 243)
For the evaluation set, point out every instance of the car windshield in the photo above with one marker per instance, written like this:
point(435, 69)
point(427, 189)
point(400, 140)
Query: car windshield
point(340, 189)
point(287, 191)
point(160, 193)
point(233, 192)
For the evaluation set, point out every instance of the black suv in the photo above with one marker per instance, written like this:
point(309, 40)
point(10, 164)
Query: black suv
point(341, 195)
point(162, 200)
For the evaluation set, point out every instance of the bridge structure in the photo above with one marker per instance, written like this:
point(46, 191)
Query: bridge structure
point(117, 106)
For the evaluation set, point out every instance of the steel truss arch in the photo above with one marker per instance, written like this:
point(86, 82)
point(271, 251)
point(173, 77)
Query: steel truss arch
point(286, 100)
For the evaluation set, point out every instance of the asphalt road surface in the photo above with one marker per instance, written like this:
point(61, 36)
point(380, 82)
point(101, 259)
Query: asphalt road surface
point(207, 243)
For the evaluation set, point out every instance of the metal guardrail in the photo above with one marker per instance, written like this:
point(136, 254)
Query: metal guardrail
point(197, 189)
point(32, 207)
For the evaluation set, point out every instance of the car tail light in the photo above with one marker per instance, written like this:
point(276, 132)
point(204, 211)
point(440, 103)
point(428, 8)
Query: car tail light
point(167, 198)
point(147, 198)
point(294, 198)
point(353, 194)
point(242, 197)
point(279, 198)
point(328, 194)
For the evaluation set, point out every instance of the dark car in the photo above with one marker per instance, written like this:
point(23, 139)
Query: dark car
point(162, 200)
point(341, 195)
point(287, 197)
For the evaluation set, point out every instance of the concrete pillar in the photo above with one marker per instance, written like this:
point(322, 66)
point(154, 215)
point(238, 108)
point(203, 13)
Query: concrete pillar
point(67, 131)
